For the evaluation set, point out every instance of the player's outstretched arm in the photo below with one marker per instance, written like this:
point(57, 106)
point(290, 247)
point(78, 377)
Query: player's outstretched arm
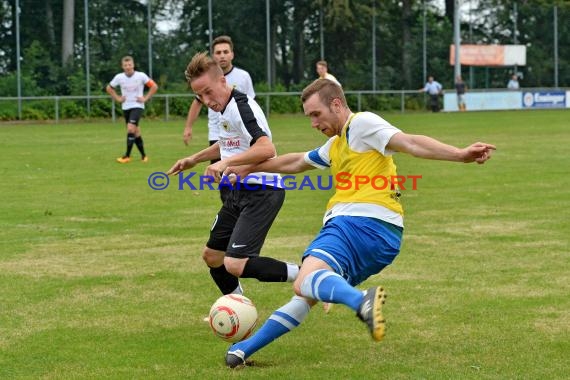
point(289, 163)
point(262, 150)
point(426, 147)
point(210, 153)
point(478, 152)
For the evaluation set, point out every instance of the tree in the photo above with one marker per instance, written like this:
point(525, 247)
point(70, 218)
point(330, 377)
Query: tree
point(67, 31)
point(50, 34)
point(7, 49)
point(407, 43)
point(450, 10)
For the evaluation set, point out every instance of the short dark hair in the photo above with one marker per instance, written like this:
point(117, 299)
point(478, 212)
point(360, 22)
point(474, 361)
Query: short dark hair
point(223, 40)
point(200, 64)
point(327, 90)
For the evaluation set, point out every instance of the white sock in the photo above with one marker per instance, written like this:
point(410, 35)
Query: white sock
point(238, 290)
point(292, 272)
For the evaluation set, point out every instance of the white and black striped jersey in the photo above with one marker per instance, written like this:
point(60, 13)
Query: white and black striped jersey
point(238, 79)
point(242, 122)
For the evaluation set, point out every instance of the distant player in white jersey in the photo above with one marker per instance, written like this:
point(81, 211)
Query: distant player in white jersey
point(242, 224)
point(132, 99)
point(322, 68)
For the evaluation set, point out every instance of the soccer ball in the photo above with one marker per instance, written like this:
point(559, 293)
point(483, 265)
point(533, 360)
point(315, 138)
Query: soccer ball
point(233, 317)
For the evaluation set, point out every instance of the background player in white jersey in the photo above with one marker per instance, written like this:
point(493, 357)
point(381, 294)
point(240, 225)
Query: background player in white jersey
point(363, 225)
point(223, 55)
point(132, 97)
point(241, 225)
point(322, 68)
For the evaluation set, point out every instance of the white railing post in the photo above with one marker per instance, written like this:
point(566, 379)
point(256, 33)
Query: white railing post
point(166, 107)
point(57, 109)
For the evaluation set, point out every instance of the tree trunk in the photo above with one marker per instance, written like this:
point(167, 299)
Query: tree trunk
point(298, 44)
point(450, 10)
point(273, 65)
point(50, 25)
point(67, 31)
point(406, 43)
point(298, 56)
point(286, 76)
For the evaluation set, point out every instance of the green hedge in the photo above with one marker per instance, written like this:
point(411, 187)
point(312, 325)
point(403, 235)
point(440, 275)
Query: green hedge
point(178, 106)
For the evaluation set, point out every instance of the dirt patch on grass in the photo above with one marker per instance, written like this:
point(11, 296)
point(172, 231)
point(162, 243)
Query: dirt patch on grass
point(125, 255)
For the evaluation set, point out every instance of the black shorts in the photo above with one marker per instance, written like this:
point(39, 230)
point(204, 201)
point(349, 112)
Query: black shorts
point(242, 224)
point(133, 115)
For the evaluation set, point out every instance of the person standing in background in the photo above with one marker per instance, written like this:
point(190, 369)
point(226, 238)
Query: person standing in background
point(513, 83)
point(132, 84)
point(460, 88)
point(323, 71)
point(434, 90)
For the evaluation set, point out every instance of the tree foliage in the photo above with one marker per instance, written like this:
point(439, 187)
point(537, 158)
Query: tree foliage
point(118, 28)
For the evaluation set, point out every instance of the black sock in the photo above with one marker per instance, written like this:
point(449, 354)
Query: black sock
point(130, 142)
point(139, 142)
point(226, 281)
point(265, 269)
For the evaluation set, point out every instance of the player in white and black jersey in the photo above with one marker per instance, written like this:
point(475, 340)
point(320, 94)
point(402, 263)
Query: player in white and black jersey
point(241, 225)
point(132, 99)
point(223, 55)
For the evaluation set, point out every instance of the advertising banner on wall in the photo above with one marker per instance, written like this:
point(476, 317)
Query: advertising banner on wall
point(544, 99)
point(483, 101)
point(489, 55)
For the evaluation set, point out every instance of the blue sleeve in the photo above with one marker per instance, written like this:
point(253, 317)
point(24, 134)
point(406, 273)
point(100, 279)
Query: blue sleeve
point(314, 158)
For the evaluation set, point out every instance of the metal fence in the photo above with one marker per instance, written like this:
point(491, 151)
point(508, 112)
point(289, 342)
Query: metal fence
point(377, 70)
point(265, 99)
point(169, 106)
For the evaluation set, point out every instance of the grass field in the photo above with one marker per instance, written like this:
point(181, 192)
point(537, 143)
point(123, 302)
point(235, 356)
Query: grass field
point(101, 276)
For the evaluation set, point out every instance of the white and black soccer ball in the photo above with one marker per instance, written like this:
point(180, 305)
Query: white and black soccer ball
point(233, 317)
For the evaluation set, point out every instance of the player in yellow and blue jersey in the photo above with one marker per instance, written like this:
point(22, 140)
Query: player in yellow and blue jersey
point(363, 223)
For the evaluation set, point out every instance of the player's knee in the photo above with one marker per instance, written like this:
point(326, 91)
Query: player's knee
point(132, 128)
point(297, 286)
point(212, 258)
point(234, 266)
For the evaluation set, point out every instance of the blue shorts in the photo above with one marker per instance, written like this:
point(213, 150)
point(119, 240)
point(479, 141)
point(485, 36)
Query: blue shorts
point(356, 247)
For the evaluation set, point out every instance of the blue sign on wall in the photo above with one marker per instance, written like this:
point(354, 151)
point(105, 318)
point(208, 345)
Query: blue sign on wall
point(542, 99)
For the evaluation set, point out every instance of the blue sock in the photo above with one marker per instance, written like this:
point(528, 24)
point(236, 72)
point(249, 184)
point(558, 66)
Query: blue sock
point(283, 320)
point(327, 286)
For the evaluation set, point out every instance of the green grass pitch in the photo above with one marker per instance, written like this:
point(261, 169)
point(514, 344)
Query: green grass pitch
point(101, 276)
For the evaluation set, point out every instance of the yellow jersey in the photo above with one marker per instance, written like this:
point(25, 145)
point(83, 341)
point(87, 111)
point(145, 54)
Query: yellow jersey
point(362, 169)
